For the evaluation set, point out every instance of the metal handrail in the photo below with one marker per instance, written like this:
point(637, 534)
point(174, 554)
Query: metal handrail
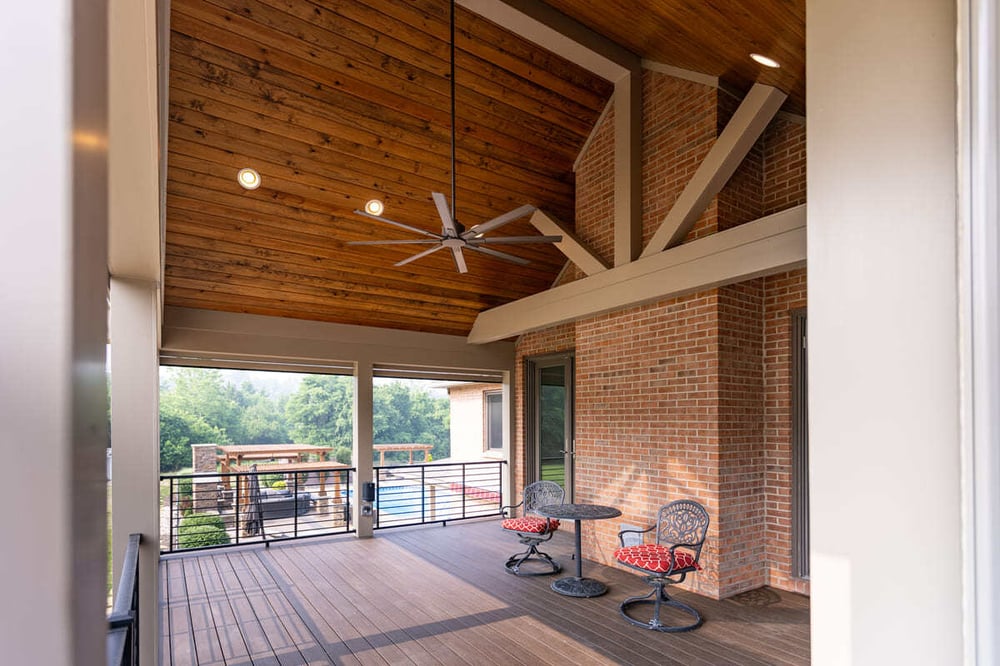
point(432, 493)
point(224, 495)
point(123, 622)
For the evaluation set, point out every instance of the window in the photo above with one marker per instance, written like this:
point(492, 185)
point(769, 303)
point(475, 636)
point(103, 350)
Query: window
point(494, 420)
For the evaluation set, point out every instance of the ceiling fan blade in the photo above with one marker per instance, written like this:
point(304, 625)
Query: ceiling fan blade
point(445, 213)
point(394, 242)
point(499, 255)
point(456, 254)
point(419, 255)
point(398, 224)
point(509, 240)
point(498, 221)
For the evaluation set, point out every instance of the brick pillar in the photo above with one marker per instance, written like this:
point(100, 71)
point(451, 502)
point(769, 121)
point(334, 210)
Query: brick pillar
point(203, 457)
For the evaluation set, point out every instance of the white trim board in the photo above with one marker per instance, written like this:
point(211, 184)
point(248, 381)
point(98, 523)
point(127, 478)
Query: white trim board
point(235, 336)
point(765, 246)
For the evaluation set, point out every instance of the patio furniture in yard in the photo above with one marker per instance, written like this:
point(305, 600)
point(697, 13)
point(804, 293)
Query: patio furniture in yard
point(681, 527)
point(282, 504)
point(533, 529)
point(578, 586)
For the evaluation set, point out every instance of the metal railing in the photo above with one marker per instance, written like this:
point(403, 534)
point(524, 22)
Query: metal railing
point(214, 510)
point(437, 492)
point(123, 622)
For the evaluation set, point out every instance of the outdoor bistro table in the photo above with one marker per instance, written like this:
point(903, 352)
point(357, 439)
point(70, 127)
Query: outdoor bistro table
point(578, 586)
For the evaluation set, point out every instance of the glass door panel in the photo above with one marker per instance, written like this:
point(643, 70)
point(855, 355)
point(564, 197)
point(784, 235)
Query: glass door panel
point(550, 420)
point(552, 426)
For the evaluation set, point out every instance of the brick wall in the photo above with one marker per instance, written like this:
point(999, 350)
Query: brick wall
point(678, 129)
point(741, 516)
point(687, 397)
point(647, 401)
point(784, 165)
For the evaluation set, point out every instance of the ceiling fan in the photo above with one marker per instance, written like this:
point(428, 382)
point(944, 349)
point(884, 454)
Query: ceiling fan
point(454, 235)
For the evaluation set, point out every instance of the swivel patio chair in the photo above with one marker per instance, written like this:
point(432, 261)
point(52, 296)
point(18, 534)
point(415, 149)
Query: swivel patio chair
point(533, 529)
point(681, 528)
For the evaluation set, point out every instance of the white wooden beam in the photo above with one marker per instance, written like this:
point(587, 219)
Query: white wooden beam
point(560, 34)
point(628, 168)
point(679, 73)
point(574, 249)
point(744, 128)
point(769, 245)
point(134, 234)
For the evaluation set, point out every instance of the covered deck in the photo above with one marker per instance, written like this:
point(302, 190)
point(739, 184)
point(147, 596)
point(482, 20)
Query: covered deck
point(440, 595)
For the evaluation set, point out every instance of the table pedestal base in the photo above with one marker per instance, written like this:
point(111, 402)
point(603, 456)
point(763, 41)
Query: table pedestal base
point(579, 587)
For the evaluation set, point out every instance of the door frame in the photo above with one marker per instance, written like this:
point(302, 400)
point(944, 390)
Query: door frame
point(532, 462)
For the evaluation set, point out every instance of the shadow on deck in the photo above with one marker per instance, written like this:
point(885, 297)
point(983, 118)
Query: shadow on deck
point(432, 595)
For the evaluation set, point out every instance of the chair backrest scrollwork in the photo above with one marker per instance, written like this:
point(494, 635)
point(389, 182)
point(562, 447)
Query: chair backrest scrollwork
point(541, 493)
point(683, 522)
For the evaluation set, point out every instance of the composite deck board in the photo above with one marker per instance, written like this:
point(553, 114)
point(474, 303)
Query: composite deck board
point(439, 595)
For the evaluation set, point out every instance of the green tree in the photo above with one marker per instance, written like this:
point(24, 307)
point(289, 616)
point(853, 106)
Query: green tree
point(204, 394)
point(406, 414)
point(178, 431)
point(262, 418)
point(321, 411)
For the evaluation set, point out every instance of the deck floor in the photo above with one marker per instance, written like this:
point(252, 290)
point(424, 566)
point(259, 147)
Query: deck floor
point(440, 595)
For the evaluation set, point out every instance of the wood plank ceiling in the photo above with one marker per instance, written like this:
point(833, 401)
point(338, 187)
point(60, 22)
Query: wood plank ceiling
point(338, 103)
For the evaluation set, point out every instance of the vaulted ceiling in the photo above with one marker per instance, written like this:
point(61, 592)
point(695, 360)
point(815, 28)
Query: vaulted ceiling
point(338, 103)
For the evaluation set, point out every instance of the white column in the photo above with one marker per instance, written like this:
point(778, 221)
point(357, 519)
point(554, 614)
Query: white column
point(135, 443)
point(883, 339)
point(979, 123)
point(363, 438)
point(53, 289)
point(509, 425)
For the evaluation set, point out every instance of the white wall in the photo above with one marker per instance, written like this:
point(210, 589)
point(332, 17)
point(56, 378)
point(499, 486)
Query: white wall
point(53, 286)
point(883, 338)
point(467, 407)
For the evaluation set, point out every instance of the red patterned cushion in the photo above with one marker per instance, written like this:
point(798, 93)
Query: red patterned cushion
point(532, 524)
point(654, 557)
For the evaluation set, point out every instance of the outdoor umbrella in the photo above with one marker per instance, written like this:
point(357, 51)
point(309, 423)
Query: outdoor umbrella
point(254, 520)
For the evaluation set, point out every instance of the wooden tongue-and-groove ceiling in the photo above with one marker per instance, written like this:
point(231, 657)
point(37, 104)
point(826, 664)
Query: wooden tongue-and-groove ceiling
point(338, 103)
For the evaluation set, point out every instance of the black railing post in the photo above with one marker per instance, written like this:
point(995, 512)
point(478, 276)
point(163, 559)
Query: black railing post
point(295, 503)
point(500, 483)
point(375, 477)
point(236, 509)
point(463, 490)
point(423, 493)
point(170, 512)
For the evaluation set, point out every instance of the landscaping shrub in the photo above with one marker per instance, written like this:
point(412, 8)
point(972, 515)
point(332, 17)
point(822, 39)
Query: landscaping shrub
point(183, 495)
point(279, 484)
point(343, 454)
point(268, 480)
point(202, 529)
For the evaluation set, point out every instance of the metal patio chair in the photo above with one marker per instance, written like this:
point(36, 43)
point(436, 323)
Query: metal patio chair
point(533, 529)
point(681, 528)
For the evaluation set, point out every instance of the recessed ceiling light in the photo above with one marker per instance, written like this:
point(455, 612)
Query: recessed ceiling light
point(248, 178)
point(764, 60)
point(374, 207)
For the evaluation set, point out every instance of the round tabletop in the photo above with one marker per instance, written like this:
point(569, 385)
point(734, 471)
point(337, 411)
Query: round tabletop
point(578, 511)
